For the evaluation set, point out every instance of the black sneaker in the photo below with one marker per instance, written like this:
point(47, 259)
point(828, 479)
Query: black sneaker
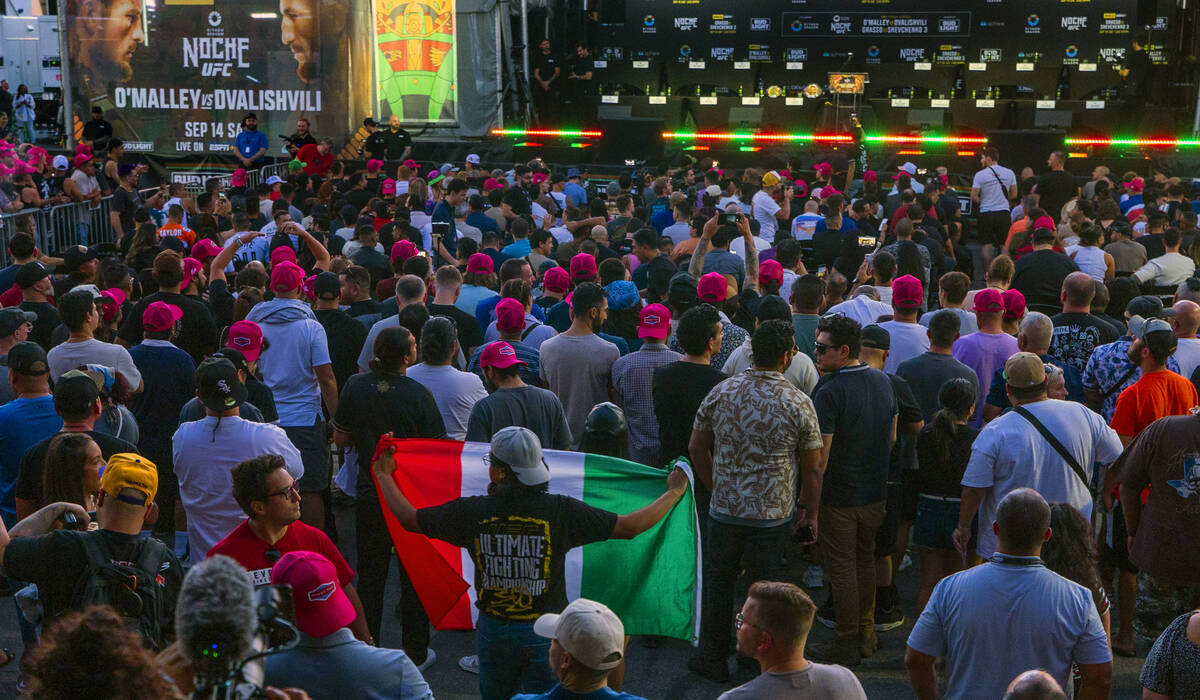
point(888, 618)
point(826, 615)
point(715, 670)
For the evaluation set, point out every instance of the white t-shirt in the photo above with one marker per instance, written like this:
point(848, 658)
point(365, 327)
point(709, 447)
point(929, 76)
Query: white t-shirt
point(805, 225)
point(738, 246)
point(862, 309)
point(764, 207)
point(993, 196)
point(288, 367)
point(178, 200)
point(67, 356)
point(802, 373)
point(454, 392)
point(907, 341)
point(204, 465)
point(726, 200)
point(561, 234)
point(678, 232)
point(1166, 270)
point(1010, 454)
point(1187, 354)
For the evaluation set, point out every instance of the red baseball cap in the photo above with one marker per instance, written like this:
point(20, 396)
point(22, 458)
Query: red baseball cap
point(283, 253)
point(286, 276)
point(770, 271)
point(191, 267)
point(556, 280)
point(583, 266)
point(160, 316)
point(654, 321)
point(480, 264)
point(1014, 304)
point(1044, 222)
point(246, 337)
point(500, 355)
point(321, 605)
point(712, 288)
point(403, 250)
point(989, 301)
point(510, 315)
point(204, 249)
point(907, 292)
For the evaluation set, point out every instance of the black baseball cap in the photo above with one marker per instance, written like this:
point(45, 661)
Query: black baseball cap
point(236, 357)
point(1147, 306)
point(370, 121)
point(28, 358)
point(681, 289)
point(327, 286)
point(31, 273)
point(75, 390)
point(13, 318)
point(877, 337)
point(218, 386)
point(77, 255)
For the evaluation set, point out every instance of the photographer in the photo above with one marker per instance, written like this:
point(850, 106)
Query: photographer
point(766, 210)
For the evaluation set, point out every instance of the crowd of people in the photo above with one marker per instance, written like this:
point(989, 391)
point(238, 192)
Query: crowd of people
point(847, 389)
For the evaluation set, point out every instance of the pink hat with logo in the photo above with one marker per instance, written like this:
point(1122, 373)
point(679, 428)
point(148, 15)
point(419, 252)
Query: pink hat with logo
point(583, 266)
point(500, 355)
point(111, 301)
point(907, 292)
point(388, 188)
point(510, 315)
point(556, 280)
point(480, 264)
point(321, 605)
point(988, 301)
point(191, 268)
point(654, 321)
point(712, 288)
point(160, 316)
point(204, 249)
point(281, 254)
point(286, 276)
point(246, 337)
point(403, 250)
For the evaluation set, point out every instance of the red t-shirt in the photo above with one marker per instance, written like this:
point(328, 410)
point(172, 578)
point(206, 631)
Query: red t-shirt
point(316, 164)
point(1153, 396)
point(247, 549)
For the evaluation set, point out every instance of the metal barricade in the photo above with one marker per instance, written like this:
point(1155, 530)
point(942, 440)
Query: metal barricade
point(77, 223)
point(266, 171)
point(31, 221)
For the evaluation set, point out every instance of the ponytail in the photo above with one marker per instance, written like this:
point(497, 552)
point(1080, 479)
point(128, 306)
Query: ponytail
point(956, 397)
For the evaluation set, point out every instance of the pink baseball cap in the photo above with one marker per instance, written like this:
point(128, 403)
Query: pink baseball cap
point(403, 250)
point(500, 355)
point(556, 280)
point(988, 301)
point(321, 605)
point(410, 164)
point(373, 165)
point(770, 271)
point(283, 253)
point(907, 292)
point(491, 184)
point(1014, 304)
point(480, 264)
point(310, 287)
point(82, 158)
point(246, 337)
point(538, 178)
point(388, 188)
point(111, 301)
point(191, 267)
point(238, 179)
point(583, 266)
point(1044, 222)
point(160, 316)
point(654, 321)
point(510, 315)
point(286, 276)
point(204, 249)
point(712, 288)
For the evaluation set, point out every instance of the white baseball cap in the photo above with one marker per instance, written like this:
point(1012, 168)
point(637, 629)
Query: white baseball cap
point(589, 631)
point(713, 190)
point(521, 450)
point(274, 180)
point(60, 163)
point(909, 168)
point(473, 159)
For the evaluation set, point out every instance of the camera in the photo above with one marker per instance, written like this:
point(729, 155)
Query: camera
point(731, 219)
point(239, 676)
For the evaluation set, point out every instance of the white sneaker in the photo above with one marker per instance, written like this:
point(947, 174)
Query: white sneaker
point(813, 577)
point(905, 562)
point(430, 657)
point(470, 664)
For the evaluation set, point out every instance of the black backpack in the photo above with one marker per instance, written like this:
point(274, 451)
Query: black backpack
point(138, 592)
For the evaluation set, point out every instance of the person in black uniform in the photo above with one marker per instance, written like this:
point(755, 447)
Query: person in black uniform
point(373, 146)
point(546, 71)
point(397, 144)
point(97, 131)
point(1137, 92)
point(579, 83)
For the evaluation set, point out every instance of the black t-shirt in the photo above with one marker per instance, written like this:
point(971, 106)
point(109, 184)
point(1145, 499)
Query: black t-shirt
point(33, 464)
point(1055, 188)
point(856, 406)
point(47, 320)
point(261, 397)
point(938, 477)
point(641, 276)
point(197, 329)
point(904, 449)
point(1153, 243)
point(519, 543)
point(544, 66)
point(375, 403)
point(376, 145)
point(1039, 276)
point(358, 198)
point(1076, 335)
point(345, 337)
point(395, 142)
point(469, 334)
point(220, 300)
point(56, 562)
point(678, 390)
point(96, 129)
point(125, 203)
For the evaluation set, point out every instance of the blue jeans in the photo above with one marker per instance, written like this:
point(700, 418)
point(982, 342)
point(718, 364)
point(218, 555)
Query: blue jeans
point(512, 659)
point(730, 550)
point(82, 229)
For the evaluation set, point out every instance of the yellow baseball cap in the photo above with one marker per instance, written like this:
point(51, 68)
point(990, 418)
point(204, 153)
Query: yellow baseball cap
point(770, 179)
point(130, 471)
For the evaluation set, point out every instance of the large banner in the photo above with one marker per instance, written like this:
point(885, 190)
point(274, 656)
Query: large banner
point(416, 60)
point(175, 77)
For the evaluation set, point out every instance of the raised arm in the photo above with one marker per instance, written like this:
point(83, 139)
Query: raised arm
point(633, 524)
point(696, 267)
point(384, 466)
point(320, 255)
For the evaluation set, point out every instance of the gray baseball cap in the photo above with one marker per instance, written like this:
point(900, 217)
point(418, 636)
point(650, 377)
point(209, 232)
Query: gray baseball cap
point(521, 450)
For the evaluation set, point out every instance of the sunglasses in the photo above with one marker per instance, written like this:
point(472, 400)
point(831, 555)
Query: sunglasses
point(272, 555)
point(293, 488)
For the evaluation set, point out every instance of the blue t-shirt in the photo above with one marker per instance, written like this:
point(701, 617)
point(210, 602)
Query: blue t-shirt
point(444, 213)
point(482, 221)
point(560, 693)
point(8, 277)
point(23, 424)
point(576, 192)
point(517, 249)
point(248, 143)
point(485, 311)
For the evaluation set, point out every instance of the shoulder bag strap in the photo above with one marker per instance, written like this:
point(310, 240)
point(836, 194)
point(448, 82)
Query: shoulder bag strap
point(1058, 446)
point(1003, 189)
point(1120, 383)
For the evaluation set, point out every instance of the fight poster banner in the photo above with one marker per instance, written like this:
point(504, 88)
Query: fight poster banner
point(416, 60)
point(175, 77)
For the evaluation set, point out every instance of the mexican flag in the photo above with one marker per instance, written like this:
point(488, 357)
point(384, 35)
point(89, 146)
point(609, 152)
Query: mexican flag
point(651, 582)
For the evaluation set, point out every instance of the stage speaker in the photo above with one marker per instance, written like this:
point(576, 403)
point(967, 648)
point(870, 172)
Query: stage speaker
point(1147, 14)
point(635, 138)
point(1021, 147)
point(611, 12)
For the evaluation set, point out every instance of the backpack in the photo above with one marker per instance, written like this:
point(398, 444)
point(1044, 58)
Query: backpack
point(138, 593)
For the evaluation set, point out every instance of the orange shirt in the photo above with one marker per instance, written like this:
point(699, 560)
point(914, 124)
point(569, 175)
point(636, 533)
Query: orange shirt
point(1017, 227)
point(1154, 396)
point(178, 231)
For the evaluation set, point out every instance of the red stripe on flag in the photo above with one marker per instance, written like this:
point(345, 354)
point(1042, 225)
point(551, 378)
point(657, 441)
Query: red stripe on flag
point(429, 473)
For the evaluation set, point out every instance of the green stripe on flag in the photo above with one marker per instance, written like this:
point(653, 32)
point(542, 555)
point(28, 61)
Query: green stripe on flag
point(651, 581)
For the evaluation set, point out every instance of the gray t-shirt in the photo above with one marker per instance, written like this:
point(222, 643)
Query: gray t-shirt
point(578, 369)
point(816, 681)
point(527, 406)
point(455, 393)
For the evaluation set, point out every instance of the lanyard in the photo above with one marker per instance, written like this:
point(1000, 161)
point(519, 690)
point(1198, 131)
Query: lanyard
point(1016, 561)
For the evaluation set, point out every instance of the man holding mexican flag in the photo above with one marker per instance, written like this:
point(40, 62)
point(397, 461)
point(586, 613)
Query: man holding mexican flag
point(517, 536)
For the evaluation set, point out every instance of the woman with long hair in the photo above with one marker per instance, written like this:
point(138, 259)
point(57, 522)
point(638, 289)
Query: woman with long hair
point(23, 109)
point(943, 450)
point(144, 247)
point(1071, 553)
point(72, 471)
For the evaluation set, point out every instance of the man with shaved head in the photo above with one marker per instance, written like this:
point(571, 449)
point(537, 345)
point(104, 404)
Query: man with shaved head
point(1035, 685)
point(1034, 336)
point(995, 621)
point(1184, 318)
point(1077, 331)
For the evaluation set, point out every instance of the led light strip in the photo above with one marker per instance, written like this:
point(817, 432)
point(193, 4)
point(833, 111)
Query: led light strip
point(1108, 141)
point(901, 138)
point(563, 133)
point(744, 136)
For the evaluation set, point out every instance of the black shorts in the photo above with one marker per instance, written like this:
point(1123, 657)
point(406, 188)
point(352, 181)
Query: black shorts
point(885, 536)
point(1114, 550)
point(910, 492)
point(993, 227)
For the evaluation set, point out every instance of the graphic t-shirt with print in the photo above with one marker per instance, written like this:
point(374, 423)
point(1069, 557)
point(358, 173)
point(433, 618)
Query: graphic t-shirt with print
point(518, 544)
